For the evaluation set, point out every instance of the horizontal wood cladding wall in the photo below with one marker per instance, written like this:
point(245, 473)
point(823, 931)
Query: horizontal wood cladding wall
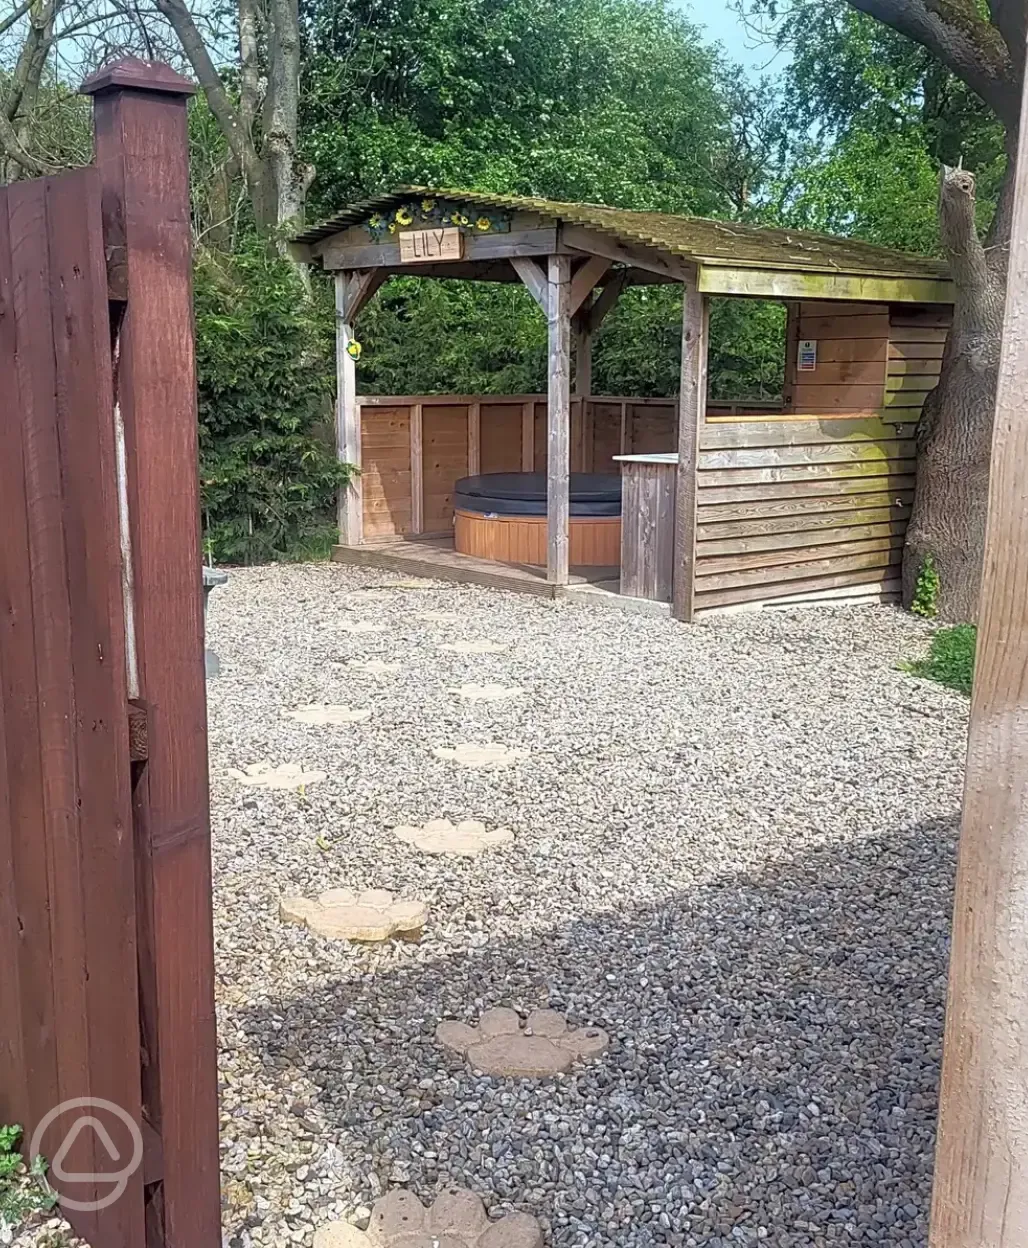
point(852, 344)
point(791, 509)
point(917, 339)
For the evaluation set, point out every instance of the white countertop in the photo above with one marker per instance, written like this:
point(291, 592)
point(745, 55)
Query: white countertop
point(661, 457)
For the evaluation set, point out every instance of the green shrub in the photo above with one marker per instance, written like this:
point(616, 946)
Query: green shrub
point(265, 363)
point(926, 591)
point(950, 659)
point(23, 1188)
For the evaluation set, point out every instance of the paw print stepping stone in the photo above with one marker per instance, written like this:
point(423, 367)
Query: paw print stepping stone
point(457, 1219)
point(343, 914)
point(545, 1046)
point(467, 839)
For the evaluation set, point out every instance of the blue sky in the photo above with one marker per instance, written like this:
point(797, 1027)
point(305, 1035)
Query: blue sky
point(722, 25)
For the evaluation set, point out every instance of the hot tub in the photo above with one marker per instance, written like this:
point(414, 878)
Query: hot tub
point(502, 516)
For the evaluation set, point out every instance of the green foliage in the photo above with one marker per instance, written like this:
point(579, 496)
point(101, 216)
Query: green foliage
point(614, 101)
point(926, 591)
point(265, 365)
point(608, 101)
point(23, 1189)
point(873, 115)
point(950, 659)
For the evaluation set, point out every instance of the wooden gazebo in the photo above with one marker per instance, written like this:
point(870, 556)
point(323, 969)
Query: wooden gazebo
point(732, 505)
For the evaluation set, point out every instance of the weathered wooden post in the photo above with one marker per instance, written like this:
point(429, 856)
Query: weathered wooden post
point(981, 1167)
point(558, 417)
point(692, 403)
point(142, 155)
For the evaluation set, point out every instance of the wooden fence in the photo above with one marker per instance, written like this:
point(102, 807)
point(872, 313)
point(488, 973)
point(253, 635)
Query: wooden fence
point(106, 978)
point(413, 448)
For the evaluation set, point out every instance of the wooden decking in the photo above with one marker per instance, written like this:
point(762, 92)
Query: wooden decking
point(435, 557)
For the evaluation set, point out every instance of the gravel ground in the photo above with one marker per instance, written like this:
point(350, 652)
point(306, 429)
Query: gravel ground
point(734, 852)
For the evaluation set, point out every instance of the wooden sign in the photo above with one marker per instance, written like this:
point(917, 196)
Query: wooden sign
point(437, 243)
point(806, 361)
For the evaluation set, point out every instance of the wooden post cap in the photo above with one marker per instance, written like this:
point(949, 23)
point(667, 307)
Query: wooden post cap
point(133, 74)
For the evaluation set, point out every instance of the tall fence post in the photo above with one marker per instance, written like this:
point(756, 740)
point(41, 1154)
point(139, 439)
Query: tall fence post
point(142, 155)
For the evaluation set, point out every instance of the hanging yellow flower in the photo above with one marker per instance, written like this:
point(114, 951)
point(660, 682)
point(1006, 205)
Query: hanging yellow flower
point(455, 218)
point(392, 227)
point(482, 223)
point(427, 205)
point(403, 216)
point(374, 220)
point(353, 349)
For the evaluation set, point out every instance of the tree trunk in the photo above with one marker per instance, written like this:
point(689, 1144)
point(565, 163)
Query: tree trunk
point(955, 432)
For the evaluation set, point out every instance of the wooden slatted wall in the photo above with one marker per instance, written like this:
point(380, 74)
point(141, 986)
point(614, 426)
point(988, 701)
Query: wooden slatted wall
point(852, 344)
point(801, 509)
point(917, 338)
point(455, 436)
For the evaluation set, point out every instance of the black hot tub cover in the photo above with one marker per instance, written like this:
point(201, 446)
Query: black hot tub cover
point(524, 494)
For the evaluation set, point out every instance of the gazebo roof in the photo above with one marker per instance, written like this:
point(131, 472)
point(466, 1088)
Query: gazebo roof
point(711, 245)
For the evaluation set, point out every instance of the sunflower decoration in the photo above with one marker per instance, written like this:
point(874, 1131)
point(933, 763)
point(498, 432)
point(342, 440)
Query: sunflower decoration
point(353, 349)
point(375, 221)
point(404, 216)
point(483, 224)
point(427, 205)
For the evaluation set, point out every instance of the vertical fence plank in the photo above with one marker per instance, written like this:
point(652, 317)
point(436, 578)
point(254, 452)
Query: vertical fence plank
point(141, 148)
point(99, 732)
point(37, 381)
point(20, 1029)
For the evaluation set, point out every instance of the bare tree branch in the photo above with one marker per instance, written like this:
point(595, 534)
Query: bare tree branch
point(199, 58)
point(15, 16)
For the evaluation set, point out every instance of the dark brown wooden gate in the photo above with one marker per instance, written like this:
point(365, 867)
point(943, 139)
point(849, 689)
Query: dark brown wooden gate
point(106, 948)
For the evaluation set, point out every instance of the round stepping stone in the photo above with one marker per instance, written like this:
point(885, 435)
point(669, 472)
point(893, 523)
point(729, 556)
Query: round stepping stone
point(457, 1219)
point(327, 713)
point(487, 693)
point(342, 914)
point(491, 755)
point(481, 646)
point(439, 617)
point(500, 1046)
point(376, 667)
point(467, 840)
point(284, 776)
point(360, 626)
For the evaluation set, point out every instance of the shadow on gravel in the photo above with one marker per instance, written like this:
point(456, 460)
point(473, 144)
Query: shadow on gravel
point(771, 1078)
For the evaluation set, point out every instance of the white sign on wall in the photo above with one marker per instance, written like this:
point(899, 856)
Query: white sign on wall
point(806, 360)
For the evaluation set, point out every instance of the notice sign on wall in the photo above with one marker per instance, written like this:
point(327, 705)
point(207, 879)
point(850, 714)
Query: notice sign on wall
point(433, 244)
point(807, 360)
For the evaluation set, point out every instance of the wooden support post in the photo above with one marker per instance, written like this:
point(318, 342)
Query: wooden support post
point(692, 399)
point(980, 1198)
point(474, 438)
point(142, 156)
point(417, 471)
point(558, 418)
point(348, 417)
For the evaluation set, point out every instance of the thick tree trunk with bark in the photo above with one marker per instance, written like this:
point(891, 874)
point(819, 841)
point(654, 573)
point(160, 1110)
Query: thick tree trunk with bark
point(955, 432)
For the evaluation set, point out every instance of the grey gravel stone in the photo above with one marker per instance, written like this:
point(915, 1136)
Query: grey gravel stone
point(734, 849)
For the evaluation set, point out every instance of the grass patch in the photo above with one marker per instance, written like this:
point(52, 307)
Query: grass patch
point(950, 658)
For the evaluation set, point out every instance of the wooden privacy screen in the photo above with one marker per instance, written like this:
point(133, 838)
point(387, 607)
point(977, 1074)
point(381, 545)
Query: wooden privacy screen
point(806, 508)
point(106, 973)
point(413, 449)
